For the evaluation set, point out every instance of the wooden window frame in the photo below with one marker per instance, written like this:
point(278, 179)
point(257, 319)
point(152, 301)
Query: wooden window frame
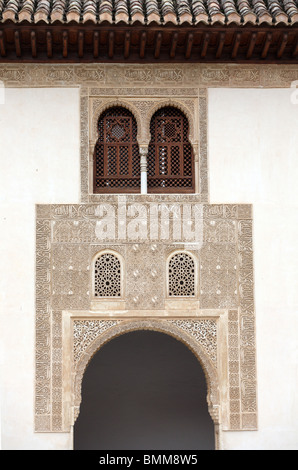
point(113, 179)
point(169, 182)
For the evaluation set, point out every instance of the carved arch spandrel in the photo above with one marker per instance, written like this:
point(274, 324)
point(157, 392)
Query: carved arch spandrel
point(106, 104)
point(167, 327)
point(143, 110)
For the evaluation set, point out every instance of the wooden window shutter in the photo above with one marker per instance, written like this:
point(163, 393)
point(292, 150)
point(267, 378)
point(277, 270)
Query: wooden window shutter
point(116, 166)
point(170, 155)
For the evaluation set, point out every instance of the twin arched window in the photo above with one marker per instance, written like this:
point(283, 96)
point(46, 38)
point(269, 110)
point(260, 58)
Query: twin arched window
point(107, 281)
point(116, 166)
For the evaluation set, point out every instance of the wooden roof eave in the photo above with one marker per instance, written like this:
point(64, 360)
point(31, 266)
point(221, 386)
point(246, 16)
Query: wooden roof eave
point(209, 41)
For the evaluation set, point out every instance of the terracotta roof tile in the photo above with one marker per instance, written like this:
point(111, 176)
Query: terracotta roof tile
point(149, 11)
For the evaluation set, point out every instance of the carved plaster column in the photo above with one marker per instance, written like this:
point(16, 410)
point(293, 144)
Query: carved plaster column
point(144, 153)
point(196, 166)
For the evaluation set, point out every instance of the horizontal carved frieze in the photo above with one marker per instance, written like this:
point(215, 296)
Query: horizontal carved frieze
point(128, 76)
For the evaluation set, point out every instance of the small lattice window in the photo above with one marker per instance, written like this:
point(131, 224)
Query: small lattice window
point(107, 276)
point(181, 275)
point(116, 155)
point(170, 155)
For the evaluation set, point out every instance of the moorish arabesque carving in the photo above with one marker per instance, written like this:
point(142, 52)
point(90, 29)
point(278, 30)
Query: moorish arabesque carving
point(107, 276)
point(181, 275)
point(70, 236)
point(122, 79)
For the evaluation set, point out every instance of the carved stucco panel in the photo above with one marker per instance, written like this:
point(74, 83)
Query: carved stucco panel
point(145, 278)
point(85, 332)
point(66, 244)
point(151, 76)
point(43, 325)
point(247, 324)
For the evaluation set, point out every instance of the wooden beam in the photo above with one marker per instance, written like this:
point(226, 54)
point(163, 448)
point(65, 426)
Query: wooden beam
point(282, 45)
point(33, 44)
point(143, 44)
point(111, 44)
point(251, 46)
point(127, 45)
point(266, 45)
point(81, 44)
point(65, 44)
point(49, 45)
point(205, 45)
point(276, 45)
point(17, 43)
point(174, 45)
point(295, 50)
point(158, 45)
point(2, 44)
point(95, 44)
point(236, 45)
point(189, 44)
point(221, 42)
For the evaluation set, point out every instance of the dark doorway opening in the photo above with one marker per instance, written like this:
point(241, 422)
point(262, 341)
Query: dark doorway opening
point(144, 390)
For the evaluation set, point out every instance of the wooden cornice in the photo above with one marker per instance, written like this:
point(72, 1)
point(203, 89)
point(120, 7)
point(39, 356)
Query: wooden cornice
point(73, 42)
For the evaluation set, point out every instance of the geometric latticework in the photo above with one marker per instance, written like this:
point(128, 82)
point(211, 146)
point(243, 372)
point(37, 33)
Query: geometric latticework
point(181, 275)
point(170, 155)
point(116, 155)
point(107, 276)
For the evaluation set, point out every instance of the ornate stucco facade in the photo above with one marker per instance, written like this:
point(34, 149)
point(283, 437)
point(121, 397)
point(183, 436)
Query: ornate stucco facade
point(221, 315)
point(218, 323)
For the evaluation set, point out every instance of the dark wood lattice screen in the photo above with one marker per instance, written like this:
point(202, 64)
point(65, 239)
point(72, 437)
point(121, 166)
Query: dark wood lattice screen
point(170, 155)
point(116, 157)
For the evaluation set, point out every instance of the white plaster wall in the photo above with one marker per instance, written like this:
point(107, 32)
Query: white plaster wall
point(39, 159)
point(253, 158)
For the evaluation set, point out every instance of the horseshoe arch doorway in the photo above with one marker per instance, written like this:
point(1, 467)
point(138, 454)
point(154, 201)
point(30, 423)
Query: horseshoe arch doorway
point(144, 390)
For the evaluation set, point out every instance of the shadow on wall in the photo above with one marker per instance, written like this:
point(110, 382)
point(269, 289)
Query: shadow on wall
point(144, 390)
